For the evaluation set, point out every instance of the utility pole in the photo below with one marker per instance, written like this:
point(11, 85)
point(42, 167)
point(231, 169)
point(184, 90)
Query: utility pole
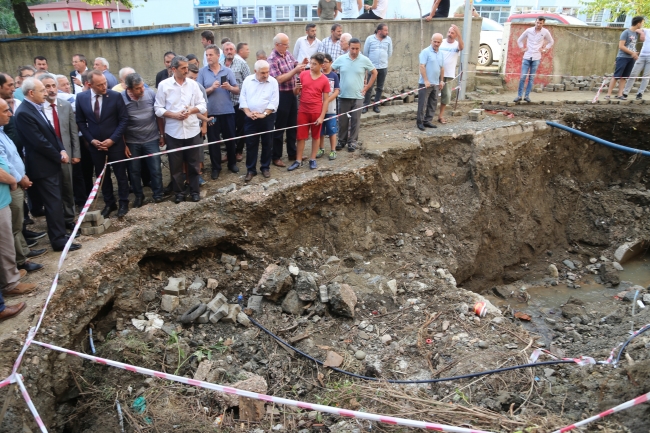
point(467, 38)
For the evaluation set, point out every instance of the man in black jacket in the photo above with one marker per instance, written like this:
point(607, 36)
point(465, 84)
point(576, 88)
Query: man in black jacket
point(167, 72)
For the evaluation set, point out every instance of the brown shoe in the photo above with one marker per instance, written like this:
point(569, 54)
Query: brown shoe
point(266, 173)
point(239, 157)
point(19, 290)
point(11, 310)
point(278, 163)
point(224, 157)
point(22, 273)
point(249, 176)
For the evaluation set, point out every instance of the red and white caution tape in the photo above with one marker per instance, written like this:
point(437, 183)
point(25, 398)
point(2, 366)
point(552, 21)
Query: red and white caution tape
point(598, 92)
point(30, 403)
point(267, 398)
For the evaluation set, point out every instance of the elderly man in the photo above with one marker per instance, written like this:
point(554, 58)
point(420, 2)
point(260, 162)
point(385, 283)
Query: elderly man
point(179, 100)
point(44, 154)
point(62, 117)
point(241, 70)
point(167, 72)
point(283, 67)
point(219, 83)
point(307, 45)
point(80, 65)
point(345, 43)
point(124, 72)
point(451, 48)
point(352, 68)
point(259, 100)
point(64, 89)
point(101, 64)
point(378, 48)
point(332, 44)
point(102, 118)
point(432, 76)
point(144, 136)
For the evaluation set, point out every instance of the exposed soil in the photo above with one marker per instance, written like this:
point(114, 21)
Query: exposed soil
point(492, 203)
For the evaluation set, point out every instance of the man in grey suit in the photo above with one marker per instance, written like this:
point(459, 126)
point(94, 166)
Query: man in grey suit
point(62, 117)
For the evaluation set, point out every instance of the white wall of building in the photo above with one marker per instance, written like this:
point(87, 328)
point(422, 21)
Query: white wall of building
point(159, 12)
point(52, 21)
point(121, 19)
point(86, 20)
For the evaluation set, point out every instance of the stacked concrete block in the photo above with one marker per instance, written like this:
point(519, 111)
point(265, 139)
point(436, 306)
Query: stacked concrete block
point(94, 223)
point(476, 114)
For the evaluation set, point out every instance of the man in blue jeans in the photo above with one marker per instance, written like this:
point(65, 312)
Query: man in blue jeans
point(144, 136)
point(538, 41)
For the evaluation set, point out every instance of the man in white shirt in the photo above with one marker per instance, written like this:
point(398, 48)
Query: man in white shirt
point(80, 65)
point(349, 8)
point(535, 47)
point(259, 98)
point(179, 100)
point(307, 45)
point(450, 48)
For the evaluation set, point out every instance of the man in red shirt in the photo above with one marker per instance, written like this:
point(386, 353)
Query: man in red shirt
point(314, 88)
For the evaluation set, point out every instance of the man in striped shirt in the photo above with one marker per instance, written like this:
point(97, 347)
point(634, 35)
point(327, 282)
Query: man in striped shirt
point(332, 44)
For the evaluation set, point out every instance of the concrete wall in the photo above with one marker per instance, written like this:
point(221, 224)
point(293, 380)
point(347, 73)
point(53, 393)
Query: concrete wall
point(145, 53)
point(578, 50)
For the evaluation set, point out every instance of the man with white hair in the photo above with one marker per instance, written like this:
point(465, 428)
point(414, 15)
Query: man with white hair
point(63, 87)
point(432, 77)
point(259, 99)
point(345, 43)
point(101, 64)
point(123, 74)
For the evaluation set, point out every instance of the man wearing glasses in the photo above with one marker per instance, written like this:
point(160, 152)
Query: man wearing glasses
point(23, 73)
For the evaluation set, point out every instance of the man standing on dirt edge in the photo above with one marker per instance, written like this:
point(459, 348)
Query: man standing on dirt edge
point(626, 56)
point(642, 63)
point(534, 37)
point(431, 77)
point(450, 49)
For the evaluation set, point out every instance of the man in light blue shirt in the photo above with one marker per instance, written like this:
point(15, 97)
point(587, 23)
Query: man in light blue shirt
point(378, 48)
point(352, 68)
point(431, 79)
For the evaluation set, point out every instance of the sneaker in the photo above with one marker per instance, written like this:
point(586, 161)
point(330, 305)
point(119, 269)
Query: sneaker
point(320, 153)
point(527, 99)
point(295, 165)
point(312, 164)
point(639, 96)
point(352, 147)
point(607, 98)
point(332, 156)
point(339, 146)
point(202, 181)
point(622, 97)
point(517, 99)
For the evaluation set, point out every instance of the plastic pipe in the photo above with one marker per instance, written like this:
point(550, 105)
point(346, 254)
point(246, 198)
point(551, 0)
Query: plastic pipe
point(599, 140)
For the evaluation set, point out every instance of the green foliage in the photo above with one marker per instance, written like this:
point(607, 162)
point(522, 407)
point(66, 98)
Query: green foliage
point(628, 7)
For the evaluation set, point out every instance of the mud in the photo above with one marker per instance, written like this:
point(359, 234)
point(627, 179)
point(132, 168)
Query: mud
point(493, 203)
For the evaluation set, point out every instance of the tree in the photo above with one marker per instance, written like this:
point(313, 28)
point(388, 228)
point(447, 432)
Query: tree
point(627, 7)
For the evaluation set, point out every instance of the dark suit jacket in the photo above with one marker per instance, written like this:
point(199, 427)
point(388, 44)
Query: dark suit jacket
point(112, 122)
point(111, 81)
point(42, 146)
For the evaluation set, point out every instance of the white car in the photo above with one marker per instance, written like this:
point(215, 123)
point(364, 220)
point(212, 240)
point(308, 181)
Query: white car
point(490, 49)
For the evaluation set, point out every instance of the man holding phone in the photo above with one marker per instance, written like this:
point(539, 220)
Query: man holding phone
point(219, 83)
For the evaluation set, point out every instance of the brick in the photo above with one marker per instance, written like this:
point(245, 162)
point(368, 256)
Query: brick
point(107, 223)
point(86, 224)
point(220, 313)
point(233, 311)
point(92, 230)
point(94, 216)
point(175, 287)
point(217, 302)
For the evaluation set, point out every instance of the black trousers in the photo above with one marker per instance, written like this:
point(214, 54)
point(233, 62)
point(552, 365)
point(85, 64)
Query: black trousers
point(99, 159)
point(191, 156)
point(82, 174)
point(240, 117)
point(253, 143)
point(286, 116)
point(223, 127)
point(49, 190)
point(370, 15)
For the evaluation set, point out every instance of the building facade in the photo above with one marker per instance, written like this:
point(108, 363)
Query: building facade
point(74, 15)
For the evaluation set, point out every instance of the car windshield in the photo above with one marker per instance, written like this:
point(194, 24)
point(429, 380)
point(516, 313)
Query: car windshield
point(491, 26)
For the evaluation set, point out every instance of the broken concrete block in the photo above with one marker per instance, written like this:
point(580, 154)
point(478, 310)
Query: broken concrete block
point(94, 216)
point(255, 303)
point(217, 302)
point(175, 287)
point(243, 319)
point(221, 312)
point(233, 311)
point(292, 304)
point(86, 224)
point(409, 98)
point(203, 370)
point(212, 283)
point(244, 265)
point(306, 286)
point(275, 282)
point(628, 251)
point(92, 230)
point(253, 383)
point(456, 113)
point(270, 183)
point(475, 115)
point(608, 274)
point(342, 299)
point(169, 303)
point(106, 223)
point(205, 317)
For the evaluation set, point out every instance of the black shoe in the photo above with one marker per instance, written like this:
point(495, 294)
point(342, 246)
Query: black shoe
point(195, 197)
point(33, 235)
point(517, 99)
point(124, 209)
point(30, 267)
point(73, 247)
point(215, 174)
point(266, 173)
point(639, 96)
point(234, 169)
point(36, 253)
point(420, 126)
point(37, 213)
point(28, 221)
point(376, 109)
point(158, 199)
point(168, 189)
point(429, 125)
point(69, 226)
point(179, 198)
point(527, 99)
point(31, 242)
point(365, 110)
point(76, 235)
point(138, 202)
point(106, 212)
point(340, 145)
point(249, 176)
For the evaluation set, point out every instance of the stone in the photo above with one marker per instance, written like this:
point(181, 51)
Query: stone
point(243, 319)
point(198, 284)
point(294, 270)
point(275, 282)
point(148, 295)
point(221, 312)
point(292, 304)
point(548, 372)
point(205, 317)
point(573, 308)
point(203, 370)
point(212, 283)
point(483, 344)
point(227, 259)
point(324, 296)
point(392, 285)
point(552, 270)
point(175, 287)
point(227, 189)
point(217, 302)
point(608, 274)
point(386, 338)
point(333, 359)
point(306, 286)
point(244, 265)
point(628, 251)
point(253, 383)
point(445, 325)
point(646, 299)
point(270, 183)
point(360, 355)
point(251, 410)
point(617, 266)
point(342, 299)
point(233, 311)
point(333, 260)
point(255, 303)
point(169, 303)
point(569, 264)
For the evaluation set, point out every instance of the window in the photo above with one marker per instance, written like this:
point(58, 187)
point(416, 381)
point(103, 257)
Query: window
point(207, 15)
point(265, 14)
point(595, 19)
point(247, 14)
point(300, 13)
point(497, 13)
point(314, 13)
point(282, 13)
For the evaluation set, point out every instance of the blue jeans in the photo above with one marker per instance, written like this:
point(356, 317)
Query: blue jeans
point(528, 67)
point(153, 163)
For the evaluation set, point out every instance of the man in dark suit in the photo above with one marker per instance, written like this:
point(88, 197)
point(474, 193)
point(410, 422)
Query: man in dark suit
point(44, 154)
point(102, 119)
point(167, 72)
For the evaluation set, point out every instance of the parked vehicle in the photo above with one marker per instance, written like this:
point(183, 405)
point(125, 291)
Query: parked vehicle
point(490, 43)
point(530, 17)
point(226, 15)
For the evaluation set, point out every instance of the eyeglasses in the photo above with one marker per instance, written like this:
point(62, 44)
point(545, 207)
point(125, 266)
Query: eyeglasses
point(26, 76)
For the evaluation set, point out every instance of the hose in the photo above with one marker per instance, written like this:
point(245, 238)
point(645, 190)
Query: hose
point(620, 352)
point(599, 140)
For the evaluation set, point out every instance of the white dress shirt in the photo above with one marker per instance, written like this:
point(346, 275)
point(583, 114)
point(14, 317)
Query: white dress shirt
point(176, 97)
point(259, 96)
point(47, 109)
point(78, 89)
point(303, 49)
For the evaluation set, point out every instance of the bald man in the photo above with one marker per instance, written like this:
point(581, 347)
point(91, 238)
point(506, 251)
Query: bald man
point(431, 80)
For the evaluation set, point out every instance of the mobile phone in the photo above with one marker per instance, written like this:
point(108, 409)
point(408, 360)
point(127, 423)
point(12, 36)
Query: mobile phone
point(297, 80)
point(223, 80)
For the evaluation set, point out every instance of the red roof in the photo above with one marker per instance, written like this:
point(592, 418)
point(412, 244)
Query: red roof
point(76, 5)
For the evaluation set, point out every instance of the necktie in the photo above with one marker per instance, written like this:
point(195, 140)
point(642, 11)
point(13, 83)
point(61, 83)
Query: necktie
point(55, 119)
point(97, 106)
